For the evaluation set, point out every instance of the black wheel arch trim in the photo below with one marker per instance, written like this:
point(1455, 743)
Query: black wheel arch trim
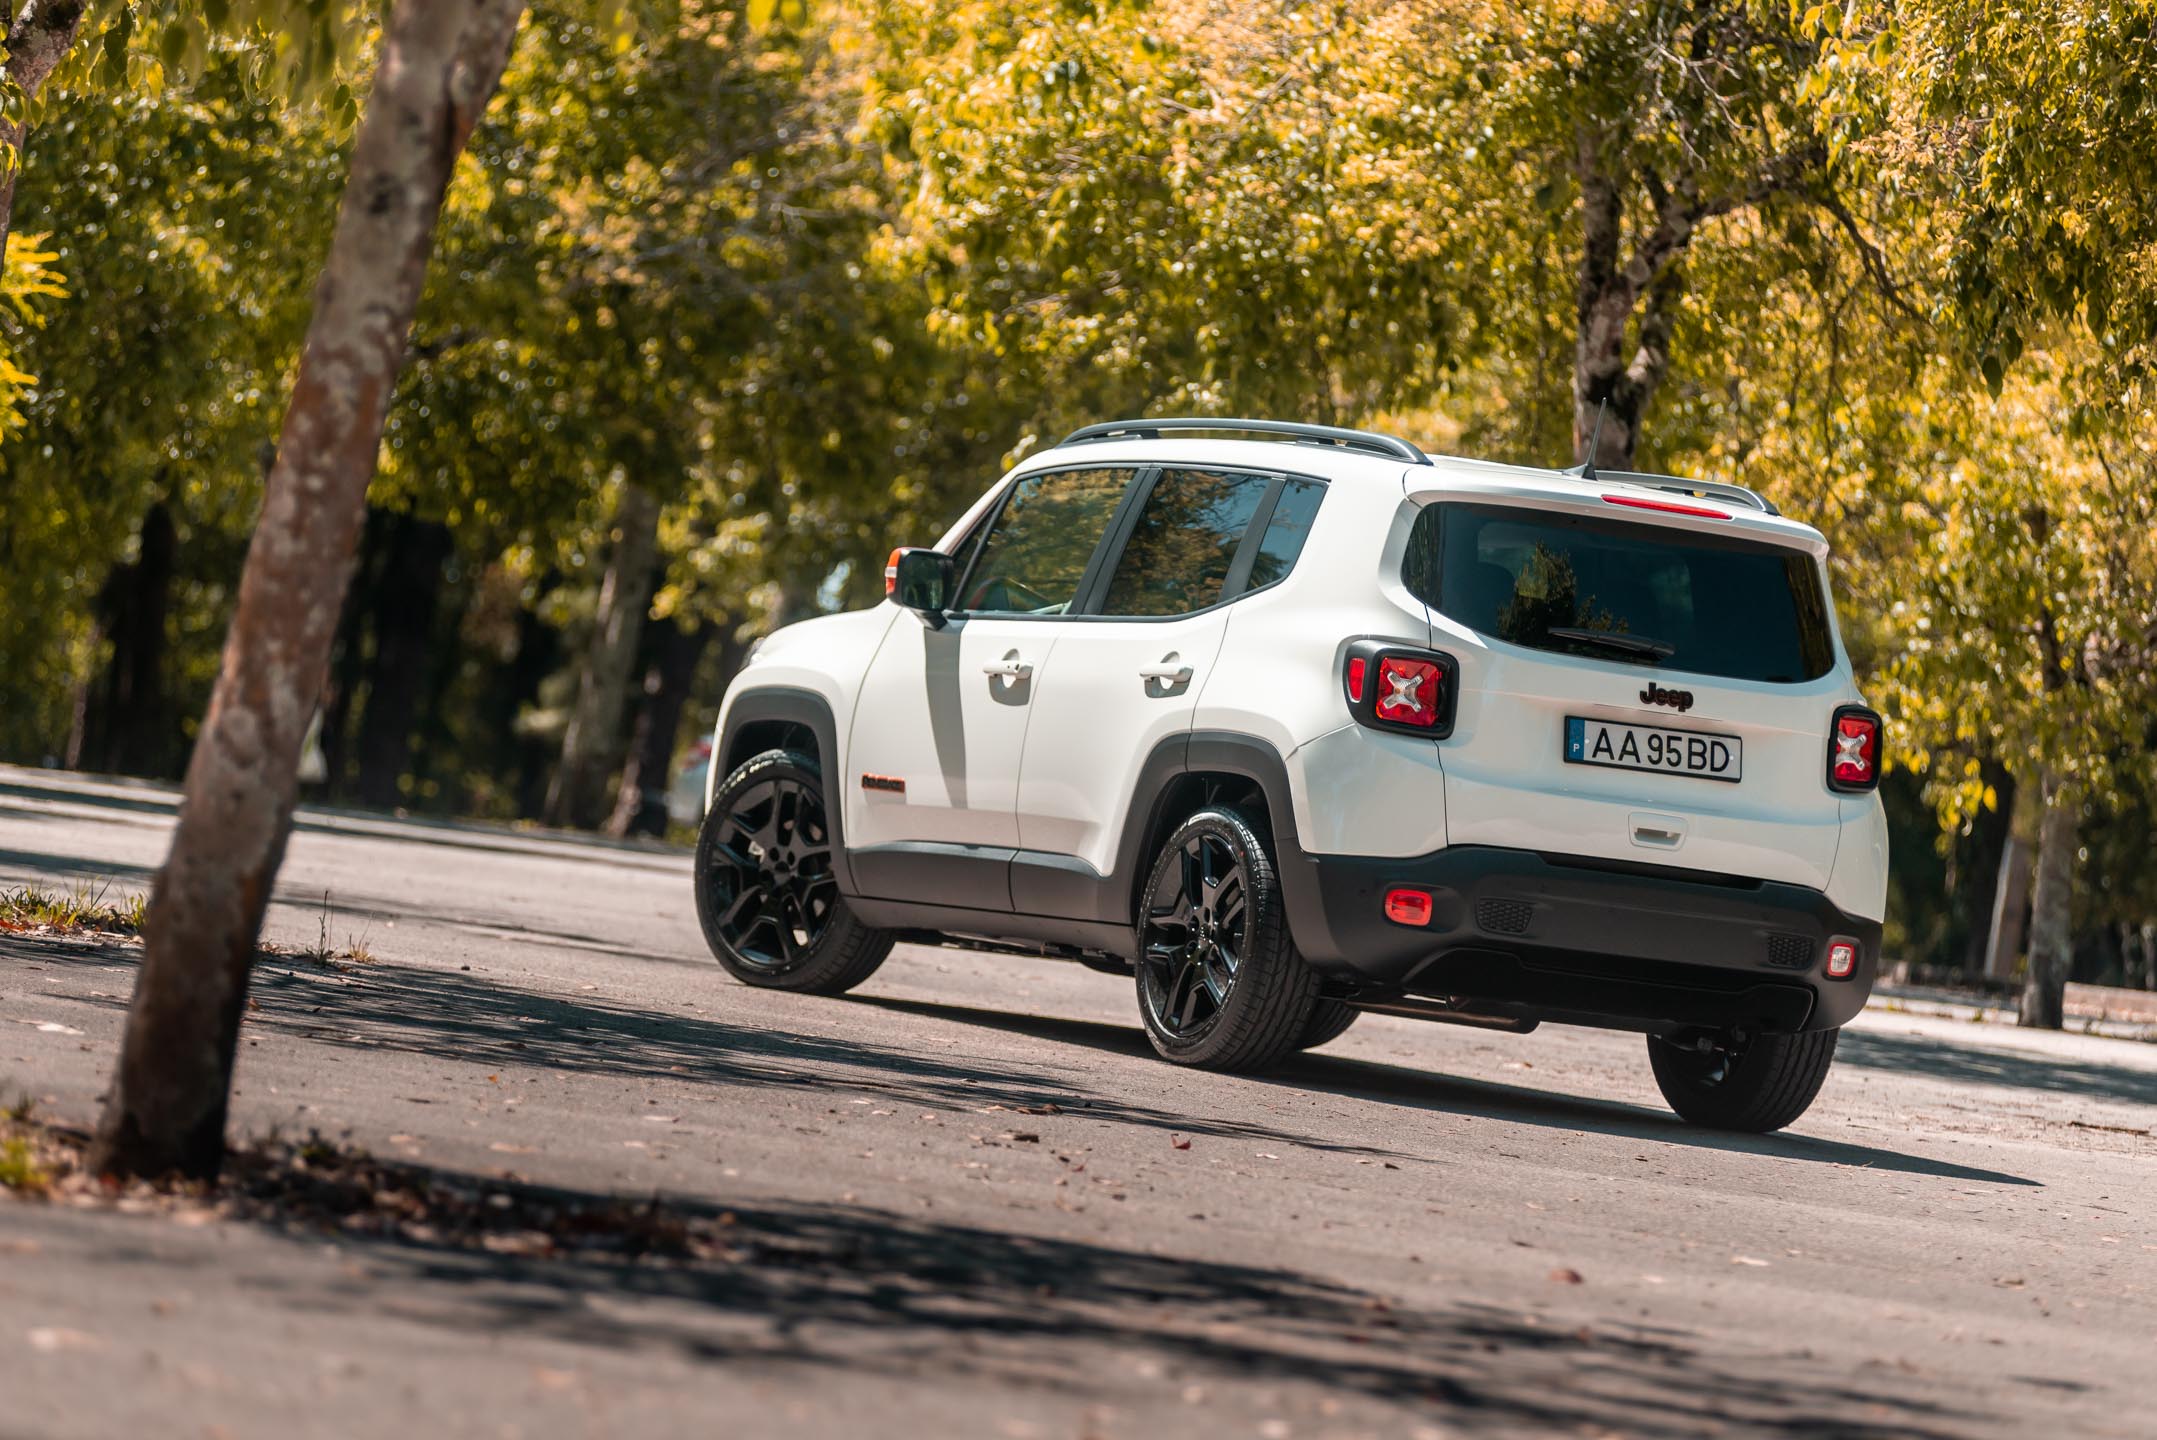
point(791, 705)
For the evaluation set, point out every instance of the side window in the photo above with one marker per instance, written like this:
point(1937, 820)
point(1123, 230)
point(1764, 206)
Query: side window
point(1037, 551)
point(1178, 556)
point(1419, 567)
point(1286, 532)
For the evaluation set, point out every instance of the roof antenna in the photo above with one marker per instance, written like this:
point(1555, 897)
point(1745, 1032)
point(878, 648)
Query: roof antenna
point(1586, 468)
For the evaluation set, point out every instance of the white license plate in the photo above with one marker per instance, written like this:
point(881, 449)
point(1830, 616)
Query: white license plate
point(1650, 747)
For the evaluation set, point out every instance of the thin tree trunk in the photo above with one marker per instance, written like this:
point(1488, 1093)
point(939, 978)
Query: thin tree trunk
point(439, 65)
point(578, 796)
point(640, 807)
point(2010, 909)
point(1979, 870)
point(2052, 952)
point(38, 39)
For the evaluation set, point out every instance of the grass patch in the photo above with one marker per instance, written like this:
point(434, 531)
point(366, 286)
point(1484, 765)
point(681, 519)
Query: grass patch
point(78, 911)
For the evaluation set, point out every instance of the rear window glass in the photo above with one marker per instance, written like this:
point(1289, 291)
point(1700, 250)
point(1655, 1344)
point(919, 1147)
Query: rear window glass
point(1647, 595)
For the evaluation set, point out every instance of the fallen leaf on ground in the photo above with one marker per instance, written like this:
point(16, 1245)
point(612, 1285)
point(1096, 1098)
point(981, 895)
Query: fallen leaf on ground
point(1180, 1142)
point(1566, 1275)
point(50, 1339)
point(1747, 1260)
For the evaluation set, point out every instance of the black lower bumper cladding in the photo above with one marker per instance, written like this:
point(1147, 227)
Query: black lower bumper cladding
point(1587, 941)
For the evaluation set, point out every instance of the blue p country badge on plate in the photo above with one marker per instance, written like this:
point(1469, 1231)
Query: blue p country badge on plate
point(1576, 738)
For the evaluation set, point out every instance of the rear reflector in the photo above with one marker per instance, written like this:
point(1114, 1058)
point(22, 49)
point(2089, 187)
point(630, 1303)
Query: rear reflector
point(1853, 751)
point(1641, 502)
point(1358, 667)
point(1841, 959)
point(1408, 907)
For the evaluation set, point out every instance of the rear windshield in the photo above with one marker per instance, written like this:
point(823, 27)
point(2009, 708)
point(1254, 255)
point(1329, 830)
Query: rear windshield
point(1641, 594)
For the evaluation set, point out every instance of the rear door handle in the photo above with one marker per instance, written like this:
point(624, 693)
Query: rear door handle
point(1011, 667)
point(1168, 672)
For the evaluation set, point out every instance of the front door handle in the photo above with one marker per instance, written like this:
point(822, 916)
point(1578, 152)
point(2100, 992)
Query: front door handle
point(1168, 672)
point(1011, 667)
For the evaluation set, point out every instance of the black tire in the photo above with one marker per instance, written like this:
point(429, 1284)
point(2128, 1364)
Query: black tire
point(1329, 1020)
point(1758, 1084)
point(766, 894)
point(1220, 985)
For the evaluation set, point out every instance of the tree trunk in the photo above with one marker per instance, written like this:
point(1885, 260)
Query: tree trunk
point(403, 624)
point(2044, 990)
point(439, 65)
point(125, 728)
point(640, 807)
point(1979, 871)
point(2010, 909)
point(578, 796)
point(38, 39)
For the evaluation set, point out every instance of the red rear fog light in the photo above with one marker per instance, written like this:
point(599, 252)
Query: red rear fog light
point(1358, 667)
point(1408, 907)
point(1841, 959)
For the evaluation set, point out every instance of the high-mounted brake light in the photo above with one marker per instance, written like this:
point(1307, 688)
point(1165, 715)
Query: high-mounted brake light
point(1641, 502)
point(1853, 750)
point(891, 573)
point(1397, 687)
point(1841, 959)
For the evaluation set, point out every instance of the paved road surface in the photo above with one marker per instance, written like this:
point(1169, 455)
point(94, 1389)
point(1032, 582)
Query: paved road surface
point(971, 1215)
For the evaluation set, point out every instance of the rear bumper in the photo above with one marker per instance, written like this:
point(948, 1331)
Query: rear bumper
point(1584, 941)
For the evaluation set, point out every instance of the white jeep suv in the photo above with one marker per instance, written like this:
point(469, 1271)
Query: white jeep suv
point(1304, 723)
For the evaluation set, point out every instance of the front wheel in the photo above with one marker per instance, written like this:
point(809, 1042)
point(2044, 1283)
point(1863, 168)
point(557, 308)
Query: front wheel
point(1753, 1083)
point(767, 896)
point(1220, 984)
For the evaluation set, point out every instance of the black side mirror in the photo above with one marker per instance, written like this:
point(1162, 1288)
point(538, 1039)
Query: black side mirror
point(923, 581)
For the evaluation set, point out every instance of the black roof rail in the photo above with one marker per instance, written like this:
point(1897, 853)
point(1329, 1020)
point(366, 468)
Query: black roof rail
point(1368, 441)
point(1698, 489)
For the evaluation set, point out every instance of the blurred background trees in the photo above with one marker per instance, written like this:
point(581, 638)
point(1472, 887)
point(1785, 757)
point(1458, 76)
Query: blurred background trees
point(719, 315)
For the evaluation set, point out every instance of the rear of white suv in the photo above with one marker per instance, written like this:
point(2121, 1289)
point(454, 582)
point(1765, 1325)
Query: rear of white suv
point(1295, 731)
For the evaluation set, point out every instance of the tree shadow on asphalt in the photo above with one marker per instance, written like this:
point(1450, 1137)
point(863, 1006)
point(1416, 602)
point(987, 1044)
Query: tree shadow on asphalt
point(831, 1291)
point(1456, 1095)
point(1970, 1062)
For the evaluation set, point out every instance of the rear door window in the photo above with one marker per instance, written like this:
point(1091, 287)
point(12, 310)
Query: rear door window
point(1182, 548)
point(1040, 543)
point(1648, 595)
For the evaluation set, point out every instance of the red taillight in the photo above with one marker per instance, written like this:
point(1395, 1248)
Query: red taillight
point(1841, 959)
point(1853, 753)
point(1641, 502)
point(1358, 667)
point(891, 573)
point(1408, 907)
point(1408, 691)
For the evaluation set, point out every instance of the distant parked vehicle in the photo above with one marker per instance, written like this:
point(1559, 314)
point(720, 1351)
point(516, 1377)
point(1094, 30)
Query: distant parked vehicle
point(686, 791)
point(1309, 723)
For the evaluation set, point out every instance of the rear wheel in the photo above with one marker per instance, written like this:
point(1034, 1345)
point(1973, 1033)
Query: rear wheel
point(1220, 984)
point(1754, 1083)
point(1329, 1020)
point(766, 893)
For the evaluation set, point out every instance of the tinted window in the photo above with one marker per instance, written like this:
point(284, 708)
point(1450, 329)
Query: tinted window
point(1037, 551)
point(1286, 532)
point(1186, 538)
point(1670, 599)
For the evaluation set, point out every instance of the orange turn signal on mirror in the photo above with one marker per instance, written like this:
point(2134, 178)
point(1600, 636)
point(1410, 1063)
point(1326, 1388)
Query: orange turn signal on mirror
point(1408, 907)
point(891, 573)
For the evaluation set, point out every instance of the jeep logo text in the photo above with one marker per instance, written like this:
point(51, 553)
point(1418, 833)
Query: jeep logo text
point(1680, 700)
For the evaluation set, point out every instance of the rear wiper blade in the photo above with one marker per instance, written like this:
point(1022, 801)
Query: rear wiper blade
point(1610, 640)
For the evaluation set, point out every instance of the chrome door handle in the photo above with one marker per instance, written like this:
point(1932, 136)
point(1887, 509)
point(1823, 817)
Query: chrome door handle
point(1167, 672)
point(1008, 668)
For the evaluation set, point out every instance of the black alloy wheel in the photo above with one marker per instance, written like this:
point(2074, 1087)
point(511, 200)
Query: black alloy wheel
point(1750, 1081)
point(767, 894)
point(1220, 984)
point(1196, 930)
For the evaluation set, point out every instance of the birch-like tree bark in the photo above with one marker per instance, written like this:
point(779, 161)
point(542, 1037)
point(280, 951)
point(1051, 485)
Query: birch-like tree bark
point(589, 745)
point(439, 64)
point(2052, 938)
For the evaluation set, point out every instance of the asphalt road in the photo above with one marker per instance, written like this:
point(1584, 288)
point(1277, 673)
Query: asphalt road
point(975, 1214)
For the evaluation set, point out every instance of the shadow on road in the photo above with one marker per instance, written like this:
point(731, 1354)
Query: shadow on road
point(1969, 1063)
point(1431, 1090)
point(818, 1295)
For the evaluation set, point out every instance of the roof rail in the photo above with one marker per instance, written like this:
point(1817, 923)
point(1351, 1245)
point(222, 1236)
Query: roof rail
point(1698, 489)
point(1368, 441)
